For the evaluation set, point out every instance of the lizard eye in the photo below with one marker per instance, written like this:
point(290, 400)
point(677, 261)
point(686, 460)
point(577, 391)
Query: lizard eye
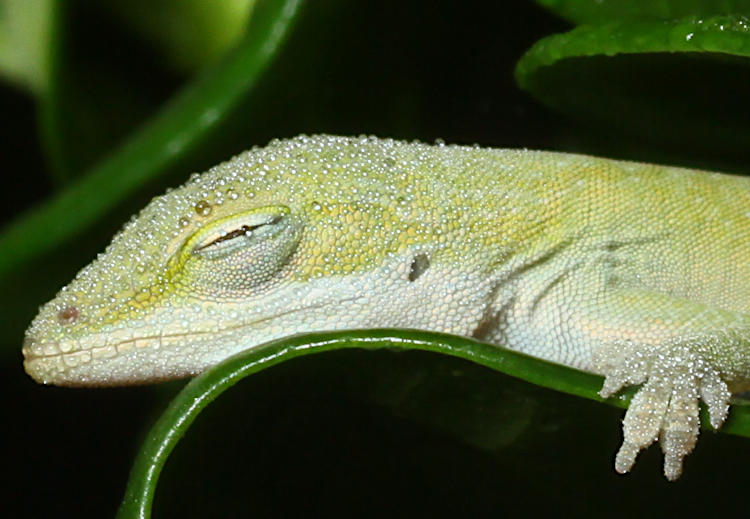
point(240, 252)
point(231, 233)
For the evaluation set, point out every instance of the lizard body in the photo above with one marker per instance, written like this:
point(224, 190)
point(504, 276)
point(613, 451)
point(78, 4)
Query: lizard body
point(633, 271)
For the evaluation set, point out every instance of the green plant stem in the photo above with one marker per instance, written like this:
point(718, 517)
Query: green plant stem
point(202, 390)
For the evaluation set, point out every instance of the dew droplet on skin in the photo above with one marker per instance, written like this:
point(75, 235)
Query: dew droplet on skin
point(203, 208)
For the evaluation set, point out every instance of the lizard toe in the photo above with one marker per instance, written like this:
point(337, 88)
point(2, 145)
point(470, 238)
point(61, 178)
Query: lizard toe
point(680, 428)
point(643, 421)
point(620, 367)
point(715, 393)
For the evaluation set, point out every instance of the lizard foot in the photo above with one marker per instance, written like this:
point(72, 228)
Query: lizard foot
point(666, 407)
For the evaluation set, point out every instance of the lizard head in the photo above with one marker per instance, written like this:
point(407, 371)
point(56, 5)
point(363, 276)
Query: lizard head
point(265, 245)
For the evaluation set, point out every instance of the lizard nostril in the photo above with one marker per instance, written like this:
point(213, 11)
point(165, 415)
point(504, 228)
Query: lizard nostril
point(68, 315)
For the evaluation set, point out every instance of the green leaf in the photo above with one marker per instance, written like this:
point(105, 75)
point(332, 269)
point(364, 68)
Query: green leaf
point(602, 11)
point(185, 122)
point(681, 82)
point(25, 29)
point(202, 390)
point(189, 33)
point(106, 82)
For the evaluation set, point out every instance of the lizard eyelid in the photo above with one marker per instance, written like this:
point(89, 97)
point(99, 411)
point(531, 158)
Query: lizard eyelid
point(242, 231)
point(237, 231)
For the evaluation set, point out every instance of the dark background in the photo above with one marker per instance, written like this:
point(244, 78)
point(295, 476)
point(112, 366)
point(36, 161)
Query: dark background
point(349, 433)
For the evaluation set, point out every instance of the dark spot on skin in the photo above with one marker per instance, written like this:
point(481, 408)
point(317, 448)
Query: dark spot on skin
point(494, 322)
point(419, 266)
point(68, 315)
point(612, 246)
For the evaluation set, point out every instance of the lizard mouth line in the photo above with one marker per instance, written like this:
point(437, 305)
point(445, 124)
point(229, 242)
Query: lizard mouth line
point(159, 339)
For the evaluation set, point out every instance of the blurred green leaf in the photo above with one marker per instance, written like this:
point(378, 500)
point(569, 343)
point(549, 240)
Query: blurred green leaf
point(189, 33)
point(181, 126)
point(25, 27)
point(205, 388)
point(105, 82)
point(602, 11)
point(679, 81)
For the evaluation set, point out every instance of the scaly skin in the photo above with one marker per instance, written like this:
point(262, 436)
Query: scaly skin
point(633, 271)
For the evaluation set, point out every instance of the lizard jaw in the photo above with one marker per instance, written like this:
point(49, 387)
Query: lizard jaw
point(152, 354)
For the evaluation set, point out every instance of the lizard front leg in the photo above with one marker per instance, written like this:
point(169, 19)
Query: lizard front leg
point(681, 352)
point(666, 406)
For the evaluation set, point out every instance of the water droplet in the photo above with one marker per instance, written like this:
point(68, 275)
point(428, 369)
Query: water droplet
point(203, 208)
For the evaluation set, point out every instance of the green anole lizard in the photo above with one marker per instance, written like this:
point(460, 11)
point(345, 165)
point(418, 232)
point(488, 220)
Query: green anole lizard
point(633, 271)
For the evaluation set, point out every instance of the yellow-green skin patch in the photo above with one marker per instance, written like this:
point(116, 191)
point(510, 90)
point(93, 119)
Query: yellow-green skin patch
point(634, 271)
